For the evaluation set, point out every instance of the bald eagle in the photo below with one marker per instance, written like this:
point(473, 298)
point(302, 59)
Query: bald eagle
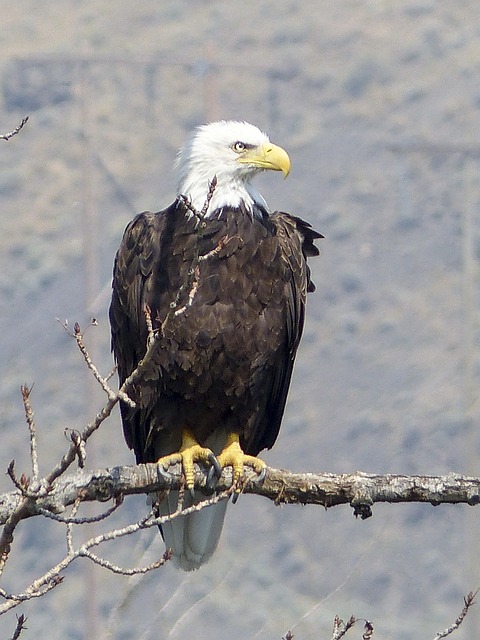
point(225, 281)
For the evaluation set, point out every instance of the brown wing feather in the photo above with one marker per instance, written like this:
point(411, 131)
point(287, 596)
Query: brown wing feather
point(296, 240)
point(134, 265)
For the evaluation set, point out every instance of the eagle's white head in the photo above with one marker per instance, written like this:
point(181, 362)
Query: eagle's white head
point(233, 152)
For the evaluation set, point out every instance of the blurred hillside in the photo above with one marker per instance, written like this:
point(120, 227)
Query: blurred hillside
point(377, 105)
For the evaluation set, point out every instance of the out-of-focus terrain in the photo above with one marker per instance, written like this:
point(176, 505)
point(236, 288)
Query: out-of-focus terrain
point(377, 104)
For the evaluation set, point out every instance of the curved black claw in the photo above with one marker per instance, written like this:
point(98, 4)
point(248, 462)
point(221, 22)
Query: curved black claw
point(212, 458)
point(261, 476)
point(214, 473)
point(210, 484)
point(165, 475)
point(258, 480)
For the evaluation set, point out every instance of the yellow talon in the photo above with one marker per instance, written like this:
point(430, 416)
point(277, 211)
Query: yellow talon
point(233, 456)
point(189, 453)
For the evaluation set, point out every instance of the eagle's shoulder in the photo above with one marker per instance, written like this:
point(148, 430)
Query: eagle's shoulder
point(296, 232)
point(289, 223)
point(135, 260)
point(141, 235)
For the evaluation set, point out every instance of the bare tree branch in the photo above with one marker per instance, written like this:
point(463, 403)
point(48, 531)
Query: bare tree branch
point(103, 381)
point(148, 319)
point(10, 134)
point(86, 520)
point(32, 430)
point(359, 490)
point(20, 627)
point(201, 214)
point(468, 601)
point(340, 628)
point(29, 494)
point(53, 577)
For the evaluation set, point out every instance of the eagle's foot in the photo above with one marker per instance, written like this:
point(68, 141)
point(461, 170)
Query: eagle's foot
point(233, 456)
point(189, 453)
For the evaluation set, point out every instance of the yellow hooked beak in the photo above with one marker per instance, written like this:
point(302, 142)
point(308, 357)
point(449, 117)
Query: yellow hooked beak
point(267, 156)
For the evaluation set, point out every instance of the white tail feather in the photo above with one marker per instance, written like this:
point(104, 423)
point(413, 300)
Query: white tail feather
point(193, 538)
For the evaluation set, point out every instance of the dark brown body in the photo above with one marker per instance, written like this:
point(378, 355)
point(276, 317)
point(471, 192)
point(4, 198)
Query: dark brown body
point(227, 296)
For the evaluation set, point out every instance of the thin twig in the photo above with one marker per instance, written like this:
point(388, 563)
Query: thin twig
point(122, 570)
point(32, 430)
point(200, 215)
point(192, 280)
point(101, 416)
point(111, 374)
point(69, 535)
point(80, 448)
point(191, 294)
point(77, 333)
point(13, 600)
point(216, 250)
point(151, 519)
point(112, 395)
point(10, 134)
point(22, 484)
point(28, 489)
point(211, 190)
point(86, 520)
point(340, 628)
point(468, 601)
point(188, 204)
point(20, 627)
point(148, 319)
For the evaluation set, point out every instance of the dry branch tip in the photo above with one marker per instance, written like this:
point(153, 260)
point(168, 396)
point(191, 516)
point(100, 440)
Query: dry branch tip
point(21, 484)
point(10, 134)
point(468, 601)
point(21, 619)
point(79, 443)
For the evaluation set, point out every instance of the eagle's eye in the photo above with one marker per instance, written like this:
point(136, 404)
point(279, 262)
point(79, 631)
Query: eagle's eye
point(239, 146)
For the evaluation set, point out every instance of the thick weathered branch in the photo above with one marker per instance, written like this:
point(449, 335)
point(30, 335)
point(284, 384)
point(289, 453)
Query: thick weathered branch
point(360, 490)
